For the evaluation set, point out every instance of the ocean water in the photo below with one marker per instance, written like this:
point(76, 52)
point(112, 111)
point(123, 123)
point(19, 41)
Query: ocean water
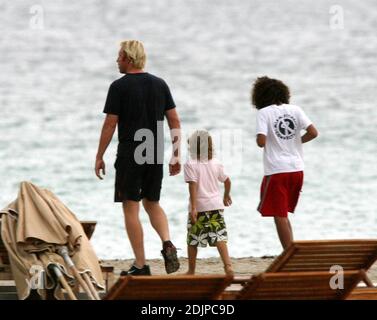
point(58, 60)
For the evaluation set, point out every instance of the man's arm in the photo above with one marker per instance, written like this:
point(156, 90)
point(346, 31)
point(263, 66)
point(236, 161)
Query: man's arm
point(193, 187)
point(107, 133)
point(311, 133)
point(175, 134)
point(261, 140)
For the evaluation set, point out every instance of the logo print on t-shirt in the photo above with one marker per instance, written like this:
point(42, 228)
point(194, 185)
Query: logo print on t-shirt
point(285, 127)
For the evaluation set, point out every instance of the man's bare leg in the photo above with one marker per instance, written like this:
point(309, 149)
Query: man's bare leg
point(134, 231)
point(160, 224)
point(191, 253)
point(284, 229)
point(158, 218)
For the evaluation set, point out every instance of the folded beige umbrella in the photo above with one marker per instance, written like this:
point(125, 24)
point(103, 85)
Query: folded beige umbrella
point(33, 228)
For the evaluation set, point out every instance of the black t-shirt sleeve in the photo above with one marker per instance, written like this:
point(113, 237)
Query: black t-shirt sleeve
point(113, 101)
point(169, 101)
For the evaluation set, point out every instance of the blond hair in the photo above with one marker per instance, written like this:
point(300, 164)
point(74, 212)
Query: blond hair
point(200, 145)
point(134, 51)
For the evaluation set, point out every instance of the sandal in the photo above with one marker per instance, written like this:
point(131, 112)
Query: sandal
point(171, 259)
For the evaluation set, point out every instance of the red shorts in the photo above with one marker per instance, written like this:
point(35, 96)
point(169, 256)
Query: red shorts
point(279, 193)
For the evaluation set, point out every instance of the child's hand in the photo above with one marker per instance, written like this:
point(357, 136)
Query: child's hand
point(227, 200)
point(193, 216)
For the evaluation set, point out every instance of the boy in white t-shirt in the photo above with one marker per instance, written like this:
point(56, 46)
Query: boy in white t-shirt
point(206, 223)
point(278, 130)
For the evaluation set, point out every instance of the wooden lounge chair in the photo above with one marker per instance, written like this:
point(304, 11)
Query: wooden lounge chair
point(4, 259)
point(5, 271)
point(298, 286)
point(182, 287)
point(107, 271)
point(320, 256)
point(323, 254)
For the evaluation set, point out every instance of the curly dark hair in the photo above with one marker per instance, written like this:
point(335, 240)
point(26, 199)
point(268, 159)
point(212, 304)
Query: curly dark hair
point(267, 91)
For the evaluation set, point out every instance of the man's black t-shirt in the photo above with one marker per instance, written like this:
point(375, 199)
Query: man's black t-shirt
point(140, 101)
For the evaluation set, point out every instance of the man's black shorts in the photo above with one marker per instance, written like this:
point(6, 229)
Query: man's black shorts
point(137, 181)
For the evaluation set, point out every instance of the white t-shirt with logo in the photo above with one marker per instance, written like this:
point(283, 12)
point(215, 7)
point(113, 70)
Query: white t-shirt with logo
point(282, 125)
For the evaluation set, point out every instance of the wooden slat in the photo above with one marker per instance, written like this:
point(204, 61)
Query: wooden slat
point(363, 294)
point(325, 256)
point(7, 283)
point(107, 268)
point(335, 244)
point(351, 254)
point(339, 248)
point(168, 287)
point(322, 252)
point(309, 268)
point(283, 282)
point(282, 258)
point(335, 241)
point(320, 265)
point(229, 295)
point(298, 285)
point(240, 279)
point(328, 261)
point(4, 259)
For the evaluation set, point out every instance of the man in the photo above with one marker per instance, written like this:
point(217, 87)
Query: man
point(137, 104)
point(279, 126)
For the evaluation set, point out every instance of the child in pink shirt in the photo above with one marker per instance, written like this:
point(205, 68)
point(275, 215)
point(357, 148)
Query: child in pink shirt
point(206, 223)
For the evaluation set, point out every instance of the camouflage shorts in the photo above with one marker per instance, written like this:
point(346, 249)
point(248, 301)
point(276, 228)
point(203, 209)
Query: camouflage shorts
point(209, 229)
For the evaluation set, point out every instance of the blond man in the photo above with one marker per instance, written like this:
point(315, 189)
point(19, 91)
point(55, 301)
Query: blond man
point(137, 104)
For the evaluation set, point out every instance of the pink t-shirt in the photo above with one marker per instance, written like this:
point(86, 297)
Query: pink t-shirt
point(207, 176)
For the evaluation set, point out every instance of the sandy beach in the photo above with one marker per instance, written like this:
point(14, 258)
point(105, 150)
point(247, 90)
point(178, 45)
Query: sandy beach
point(241, 266)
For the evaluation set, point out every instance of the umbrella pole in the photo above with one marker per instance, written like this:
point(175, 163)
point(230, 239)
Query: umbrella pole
point(91, 287)
point(82, 283)
point(64, 283)
point(63, 251)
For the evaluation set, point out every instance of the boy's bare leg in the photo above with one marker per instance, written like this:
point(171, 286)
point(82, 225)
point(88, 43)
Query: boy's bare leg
point(134, 230)
point(290, 228)
point(191, 253)
point(284, 229)
point(157, 218)
point(223, 251)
